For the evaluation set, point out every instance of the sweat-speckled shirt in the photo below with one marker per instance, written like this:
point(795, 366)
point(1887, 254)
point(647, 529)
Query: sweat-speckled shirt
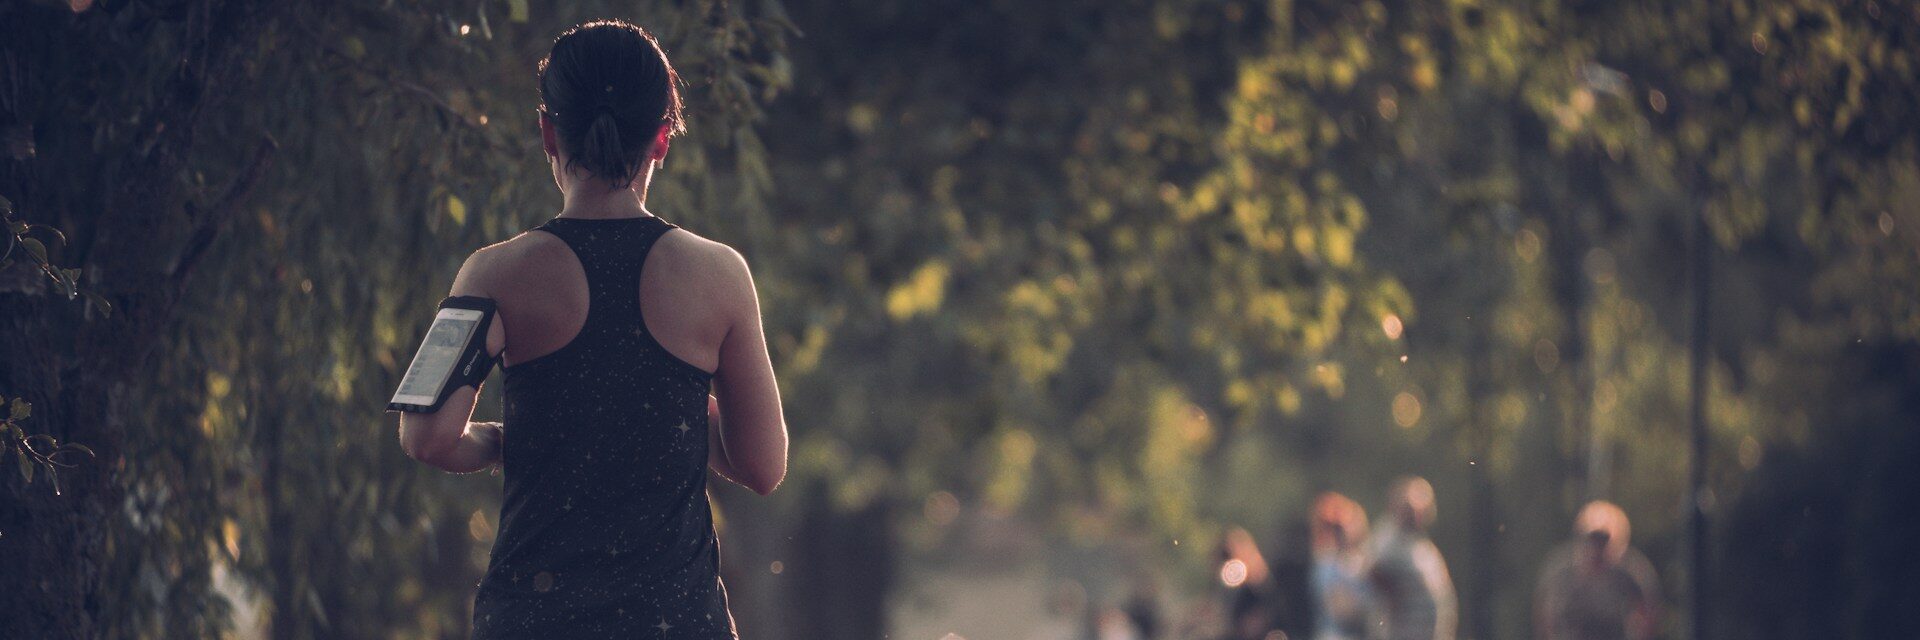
point(605, 529)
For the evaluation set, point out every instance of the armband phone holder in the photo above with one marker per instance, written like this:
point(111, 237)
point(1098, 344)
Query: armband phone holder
point(453, 355)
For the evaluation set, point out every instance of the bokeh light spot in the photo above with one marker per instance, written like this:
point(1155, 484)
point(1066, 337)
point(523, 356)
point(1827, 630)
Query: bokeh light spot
point(1606, 396)
point(1406, 409)
point(1749, 453)
point(1527, 245)
point(1391, 326)
point(1233, 573)
point(1546, 355)
point(941, 508)
point(479, 527)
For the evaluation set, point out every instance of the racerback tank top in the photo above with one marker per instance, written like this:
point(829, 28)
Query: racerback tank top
point(605, 530)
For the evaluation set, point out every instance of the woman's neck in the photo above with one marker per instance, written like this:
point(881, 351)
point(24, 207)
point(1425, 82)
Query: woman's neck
point(591, 199)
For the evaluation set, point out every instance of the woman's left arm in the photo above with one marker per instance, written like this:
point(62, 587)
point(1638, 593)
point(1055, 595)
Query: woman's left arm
point(446, 438)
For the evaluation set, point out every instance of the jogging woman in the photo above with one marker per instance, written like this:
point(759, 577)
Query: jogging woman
point(614, 327)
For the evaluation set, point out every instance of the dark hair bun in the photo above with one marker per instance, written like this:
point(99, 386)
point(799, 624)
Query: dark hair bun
point(608, 89)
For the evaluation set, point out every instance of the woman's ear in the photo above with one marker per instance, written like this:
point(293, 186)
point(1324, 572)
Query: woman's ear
point(548, 141)
point(661, 140)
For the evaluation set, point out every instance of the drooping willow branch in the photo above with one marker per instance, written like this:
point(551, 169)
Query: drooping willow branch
point(35, 451)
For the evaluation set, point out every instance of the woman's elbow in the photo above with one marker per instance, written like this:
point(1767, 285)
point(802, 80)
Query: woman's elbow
point(764, 479)
point(422, 451)
point(761, 462)
point(420, 444)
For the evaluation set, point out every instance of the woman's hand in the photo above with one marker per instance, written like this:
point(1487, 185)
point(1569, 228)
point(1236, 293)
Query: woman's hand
point(716, 447)
point(492, 438)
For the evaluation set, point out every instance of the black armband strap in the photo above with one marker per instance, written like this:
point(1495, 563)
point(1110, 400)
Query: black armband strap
point(452, 355)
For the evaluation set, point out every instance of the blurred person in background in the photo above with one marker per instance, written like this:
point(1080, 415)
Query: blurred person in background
point(1143, 606)
point(1248, 599)
point(1066, 614)
point(1343, 600)
point(1596, 587)
point(1114, 624)
point(1200, 619)
point(1408, 574)
point(1290, 576)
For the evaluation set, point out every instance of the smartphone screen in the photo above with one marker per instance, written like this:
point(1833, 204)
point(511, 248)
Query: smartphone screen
point(439, 353)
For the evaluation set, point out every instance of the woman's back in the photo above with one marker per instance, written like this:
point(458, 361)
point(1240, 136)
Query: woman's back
point(605, 528)
point(615, 328)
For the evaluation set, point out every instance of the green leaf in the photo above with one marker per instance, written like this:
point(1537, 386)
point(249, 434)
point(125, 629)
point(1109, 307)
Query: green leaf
point(21, 410)
point(81, 448)
point(457, 209)
point(56, 232)
point(486, 26)
point(26, 465)
point(34, 247)
point(17, 227)
point(99, 302)
point(355, 48)
point(46, 446)
point(517, 10)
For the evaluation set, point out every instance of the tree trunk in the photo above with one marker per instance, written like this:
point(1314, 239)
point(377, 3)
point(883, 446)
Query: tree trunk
point(136, 240)
point(842, 571)
point(1702, 276)
point(1567, 247)
point(280, 541)
point(750, 545)
point(1483, 565)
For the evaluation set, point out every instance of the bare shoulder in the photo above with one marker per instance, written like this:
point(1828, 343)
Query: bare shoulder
point(689, 256)
point(487, 270)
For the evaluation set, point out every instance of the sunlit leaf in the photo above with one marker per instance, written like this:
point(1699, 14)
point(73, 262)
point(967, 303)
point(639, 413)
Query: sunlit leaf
point(457, 209)
point(99, 303)
point(39, 251)
point(62, 237)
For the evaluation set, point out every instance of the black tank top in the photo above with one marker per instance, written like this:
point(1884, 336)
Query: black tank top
point(605, 530)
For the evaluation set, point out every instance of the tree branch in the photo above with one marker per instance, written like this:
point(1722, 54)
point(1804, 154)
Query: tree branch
point(431, 97)
point(208, 221)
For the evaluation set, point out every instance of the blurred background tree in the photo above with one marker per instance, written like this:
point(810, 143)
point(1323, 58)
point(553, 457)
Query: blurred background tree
point(1112, 275)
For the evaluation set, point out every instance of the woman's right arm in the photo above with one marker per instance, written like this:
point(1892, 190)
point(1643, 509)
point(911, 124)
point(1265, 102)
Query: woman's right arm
point(447, 438)
point(753, 438)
